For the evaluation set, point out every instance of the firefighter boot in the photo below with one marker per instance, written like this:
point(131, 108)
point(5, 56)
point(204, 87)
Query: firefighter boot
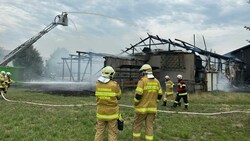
point(179, 104)
point(174, 105)
point(164, 103)
point(186, 106)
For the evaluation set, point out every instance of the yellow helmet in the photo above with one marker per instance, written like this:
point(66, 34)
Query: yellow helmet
point(3, 72)
point(146, 68)
point(108, 72)
point(8, 73)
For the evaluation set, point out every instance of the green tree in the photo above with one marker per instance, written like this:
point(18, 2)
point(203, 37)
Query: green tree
point(31, 61)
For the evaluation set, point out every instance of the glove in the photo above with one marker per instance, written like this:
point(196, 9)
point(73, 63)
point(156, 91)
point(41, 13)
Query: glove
point(120, 122)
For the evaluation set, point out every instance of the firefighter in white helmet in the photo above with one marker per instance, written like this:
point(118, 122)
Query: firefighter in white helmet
point(2, 81)
point(107, 94)
point(169, 93)
point(147, 93)
point(182, 92)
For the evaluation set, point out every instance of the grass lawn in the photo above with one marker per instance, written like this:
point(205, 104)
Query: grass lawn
point(28, 122)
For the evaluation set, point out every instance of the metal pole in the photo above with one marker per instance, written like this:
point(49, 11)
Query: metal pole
point(90, 59)
point(85, 70)
point(63, 71)
point(194, 39)
point(79, 67)
point(71, 67)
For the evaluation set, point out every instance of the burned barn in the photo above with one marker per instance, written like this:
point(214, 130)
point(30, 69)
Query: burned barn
point(201, 69)
point(243, 54)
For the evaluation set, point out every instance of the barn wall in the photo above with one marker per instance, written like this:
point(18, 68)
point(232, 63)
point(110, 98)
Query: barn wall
point(243, 55)
point(174, 64)
point(170, 64)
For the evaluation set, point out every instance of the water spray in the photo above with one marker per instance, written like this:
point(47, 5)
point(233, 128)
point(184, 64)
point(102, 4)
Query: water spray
point(110, 17)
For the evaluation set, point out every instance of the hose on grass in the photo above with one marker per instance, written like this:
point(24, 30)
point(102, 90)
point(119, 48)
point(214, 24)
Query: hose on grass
point(44, 104)
point(127, 106)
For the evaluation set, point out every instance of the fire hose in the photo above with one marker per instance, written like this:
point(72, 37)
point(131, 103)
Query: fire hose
point(42, 104)
point(127, 106)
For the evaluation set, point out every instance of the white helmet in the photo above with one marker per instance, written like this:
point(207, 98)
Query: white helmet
point(108, 72)
point(8, 73)
point(179, 76)
point(3, 72)
point(167, 77)
point(146, 68)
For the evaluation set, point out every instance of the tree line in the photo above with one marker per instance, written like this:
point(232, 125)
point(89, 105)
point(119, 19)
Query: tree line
point(33, 66)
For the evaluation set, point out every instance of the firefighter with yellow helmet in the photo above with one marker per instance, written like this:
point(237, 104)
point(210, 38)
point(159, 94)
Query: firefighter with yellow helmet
point(147, 93)
point(8, 81)
point(107, 94)
point(169, 93)
point(2, 81)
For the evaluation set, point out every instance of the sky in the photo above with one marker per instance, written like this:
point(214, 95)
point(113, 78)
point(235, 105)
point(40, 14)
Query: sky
point(109, 26)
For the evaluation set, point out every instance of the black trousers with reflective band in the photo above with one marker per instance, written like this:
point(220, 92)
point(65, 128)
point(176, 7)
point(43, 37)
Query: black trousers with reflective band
point(178, 98)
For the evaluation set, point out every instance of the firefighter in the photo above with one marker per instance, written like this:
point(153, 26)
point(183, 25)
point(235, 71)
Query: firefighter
point(107, 94)
point(182, 92)
point(147, 93)
point(8, 81)
point(2, 81)
point(169, 93)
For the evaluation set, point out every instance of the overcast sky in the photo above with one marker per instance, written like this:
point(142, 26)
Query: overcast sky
point(123, 22)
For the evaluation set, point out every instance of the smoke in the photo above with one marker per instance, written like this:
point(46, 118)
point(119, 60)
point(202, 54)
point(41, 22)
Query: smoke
point(223, 83)
point(53, 66)
point(62, 88)
point(65, 77)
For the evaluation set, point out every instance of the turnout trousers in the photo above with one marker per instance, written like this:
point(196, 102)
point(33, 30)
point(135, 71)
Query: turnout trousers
point(178, 98)
point(168, 97)
point(149, 122)
point(112, 130)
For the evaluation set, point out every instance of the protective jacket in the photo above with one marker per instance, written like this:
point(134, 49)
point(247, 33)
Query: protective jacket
point(149, 90)
point(2, 81)
point(182, 90)
point(169, 87)
point(8, 81)
point(107, 95)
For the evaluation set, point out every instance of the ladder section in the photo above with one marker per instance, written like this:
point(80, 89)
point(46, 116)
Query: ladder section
point(59, 20)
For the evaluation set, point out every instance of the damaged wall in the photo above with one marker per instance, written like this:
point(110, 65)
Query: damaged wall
point(165, 63)
point(172, 64)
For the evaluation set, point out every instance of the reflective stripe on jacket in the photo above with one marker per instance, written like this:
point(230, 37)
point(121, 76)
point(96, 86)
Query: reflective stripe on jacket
point(8, 81)
point(149, 89)
point(107, 95)
point(2, 81)
point(182, 89)
point(169, 87)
